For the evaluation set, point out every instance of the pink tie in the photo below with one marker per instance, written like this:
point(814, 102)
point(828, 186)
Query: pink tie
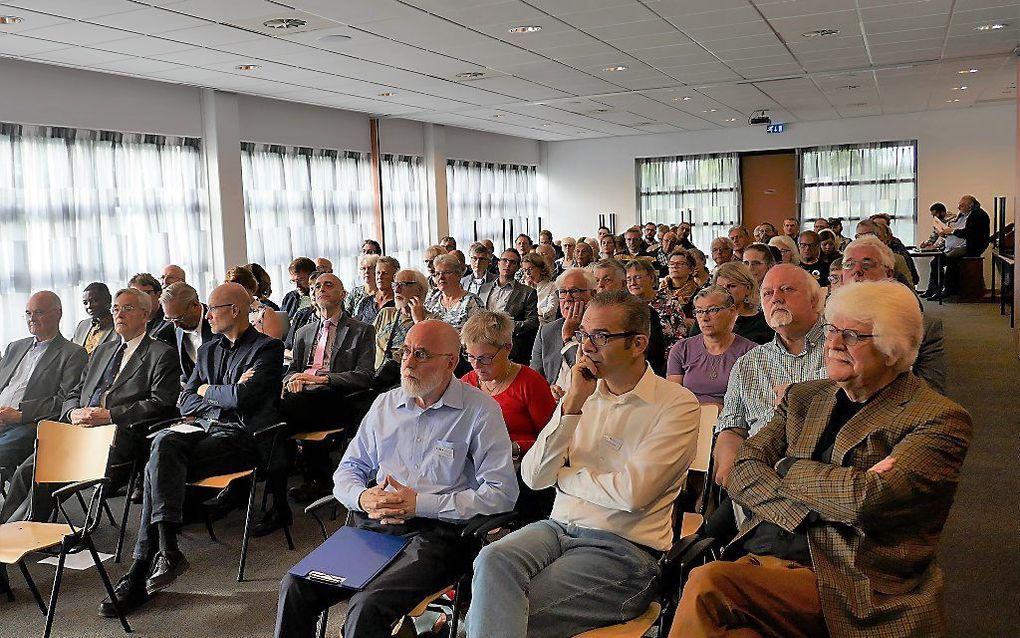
point(319, 356)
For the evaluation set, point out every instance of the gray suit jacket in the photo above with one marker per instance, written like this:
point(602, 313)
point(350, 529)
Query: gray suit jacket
point(54, 376)
point(146, 390)
point(930, 364)
point(81, 332)
point(522, 306)
point(546, 356)
point(352, 359)
point(466, 281)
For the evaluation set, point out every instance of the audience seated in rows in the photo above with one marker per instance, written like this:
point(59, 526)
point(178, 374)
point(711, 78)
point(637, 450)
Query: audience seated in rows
point(507, 294)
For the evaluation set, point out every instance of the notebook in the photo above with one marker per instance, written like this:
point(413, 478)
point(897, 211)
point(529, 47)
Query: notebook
point(350, 558)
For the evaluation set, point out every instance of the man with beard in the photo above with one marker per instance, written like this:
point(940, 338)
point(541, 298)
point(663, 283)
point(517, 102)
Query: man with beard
point(792, 302)
point(429, 456)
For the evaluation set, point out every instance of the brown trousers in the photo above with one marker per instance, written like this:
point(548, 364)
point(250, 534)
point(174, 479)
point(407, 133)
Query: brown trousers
point(750, 597)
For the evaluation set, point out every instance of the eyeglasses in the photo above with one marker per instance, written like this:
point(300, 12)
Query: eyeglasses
point(119, 309)
point(445, 273)
point(865, 264)
point(807, 245)
point(420, 354)
point(563, 293)
point(710, 311)
point(397, 285)
point(600, 339)
point(485, 359)
point(850, 337)
point(635, 279)
point(504, 260)
point(223, 305)
point(835, 278)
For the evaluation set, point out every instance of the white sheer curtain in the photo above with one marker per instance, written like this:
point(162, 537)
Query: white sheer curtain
point(854, 182)
point(706, 185)
point(491, 197)
point(79, 206)
point(305, 202)
point(405, 209)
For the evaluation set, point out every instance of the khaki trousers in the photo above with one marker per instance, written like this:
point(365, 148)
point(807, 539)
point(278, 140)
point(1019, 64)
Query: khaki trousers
point(750, 597)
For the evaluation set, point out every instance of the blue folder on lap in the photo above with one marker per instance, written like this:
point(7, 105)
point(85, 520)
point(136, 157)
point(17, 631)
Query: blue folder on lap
point(350, 558)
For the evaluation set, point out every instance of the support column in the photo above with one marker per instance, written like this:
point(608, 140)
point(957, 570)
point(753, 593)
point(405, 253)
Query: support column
point(435, 175)
point(221, 144)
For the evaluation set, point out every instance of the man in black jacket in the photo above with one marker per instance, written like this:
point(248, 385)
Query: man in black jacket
point(182, 308)
point(967, 237)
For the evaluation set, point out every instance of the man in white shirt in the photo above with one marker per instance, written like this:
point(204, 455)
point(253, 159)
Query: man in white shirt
point(182, 308)
point(617, 449)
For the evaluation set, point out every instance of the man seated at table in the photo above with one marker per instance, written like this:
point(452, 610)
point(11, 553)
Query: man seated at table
point(848, 488)
point(616, 449)
point(429, 456)
point(131, 382)
point(232, 393)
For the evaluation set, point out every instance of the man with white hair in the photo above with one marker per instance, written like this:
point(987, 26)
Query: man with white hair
point(555, 350)
point(393, 322)
point(792, 302)
point(870, 259)
point(429, 456)
point(849, 486)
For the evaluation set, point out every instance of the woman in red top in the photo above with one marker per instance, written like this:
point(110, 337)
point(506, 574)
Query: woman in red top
point(522, 393)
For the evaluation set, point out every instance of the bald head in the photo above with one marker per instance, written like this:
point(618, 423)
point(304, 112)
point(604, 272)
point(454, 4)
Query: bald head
point(171, 274)
point(434, 348)
point(43, 312)
point(228, 310)
point(328, 293)
point(439, 334)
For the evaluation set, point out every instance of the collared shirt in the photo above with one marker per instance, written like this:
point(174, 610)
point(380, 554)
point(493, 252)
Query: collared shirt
point(952, 241)
point(192, 341)
point(455, 454)
point(101, 326)
point(329, 326)
point(619, 465)
point(750, 396)
point(499, 295)
point(129, 349)
point(14, 392)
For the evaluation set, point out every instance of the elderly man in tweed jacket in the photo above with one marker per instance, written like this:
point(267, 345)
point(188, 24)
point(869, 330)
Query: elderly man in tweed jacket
point(848, 488)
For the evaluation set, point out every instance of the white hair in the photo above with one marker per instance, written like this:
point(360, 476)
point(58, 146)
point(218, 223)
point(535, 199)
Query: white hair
point(142, 299)
point(589, 277)
point(891, 310)
point(367, 261)
point(885, 254)
point(786, 242)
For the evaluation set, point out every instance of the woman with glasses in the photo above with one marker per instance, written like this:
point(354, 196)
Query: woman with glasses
point(679, 281)
point(642, 282)
point(367, 289)
point(536, 274)
point(702, 363)
point(260, 315)
point(522, 393)
point(369, 306)
point(743, 287)
point(448, 300)
point(787, 249)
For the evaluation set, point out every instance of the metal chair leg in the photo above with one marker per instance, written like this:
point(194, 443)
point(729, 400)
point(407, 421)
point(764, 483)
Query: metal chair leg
point(247, 529)
point(456, 607)
point(107, 584)
point(286, 534)
point(208, 528)
point(56, 590)
point(109, 513)
point(5, 583)
point(31, 587)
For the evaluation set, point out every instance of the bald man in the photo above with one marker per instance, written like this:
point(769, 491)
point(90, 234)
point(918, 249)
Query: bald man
point(232, 393)
point(438, 452)
point(172, 273)
point(36, 374)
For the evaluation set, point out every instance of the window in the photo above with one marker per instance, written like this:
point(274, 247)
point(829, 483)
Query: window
point(854, 182)
point(79, 206)
point(405, 209)
point(499, 201)
point(306, 202)
point(701, 189)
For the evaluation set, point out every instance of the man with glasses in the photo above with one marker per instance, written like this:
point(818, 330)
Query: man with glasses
point(36, 374)
point(158, 327)
point(131, 382)
point(662, 253)
point(428, 456)
point(171, 274)
point(507, 294)
point(98, 328)
point(480, 275)
point(233, 392)
point(393, 323)
point(616, 449)
point(811, 257)
point(555, 350)
point(182, 308)
point(870, 259)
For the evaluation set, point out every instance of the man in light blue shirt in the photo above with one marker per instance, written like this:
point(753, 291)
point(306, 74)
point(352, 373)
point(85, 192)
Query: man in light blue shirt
point(438, 453)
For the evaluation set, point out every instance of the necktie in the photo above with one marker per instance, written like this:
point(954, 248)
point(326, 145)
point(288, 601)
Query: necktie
point(93, 338)
point(319, 355)
point(109, 375)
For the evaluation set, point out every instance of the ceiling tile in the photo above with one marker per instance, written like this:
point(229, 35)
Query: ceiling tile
point(77, 9)
point(81, 56)
point(211, 35)
point(77, 33)
point(220, 11)
point(11, 44)
point(149, 21)
point(144, 46)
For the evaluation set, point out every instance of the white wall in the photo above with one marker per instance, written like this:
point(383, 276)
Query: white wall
point(959, 152)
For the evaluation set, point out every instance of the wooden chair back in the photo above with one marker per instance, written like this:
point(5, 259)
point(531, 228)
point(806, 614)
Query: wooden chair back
point(67, 453)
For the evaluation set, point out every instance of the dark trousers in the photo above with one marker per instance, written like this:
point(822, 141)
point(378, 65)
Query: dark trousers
point(16, 443)
point(177, 459)
point(307, 411)
point(436, 557)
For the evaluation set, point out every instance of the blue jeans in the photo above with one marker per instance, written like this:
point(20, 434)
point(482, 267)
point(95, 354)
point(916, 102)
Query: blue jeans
point(550, 579)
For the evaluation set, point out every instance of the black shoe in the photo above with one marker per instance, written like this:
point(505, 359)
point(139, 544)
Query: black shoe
point(131, 594)
point(274, 519)
point(166, 567)
point(310, 491)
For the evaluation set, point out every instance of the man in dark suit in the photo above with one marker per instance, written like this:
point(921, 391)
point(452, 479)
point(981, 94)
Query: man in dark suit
point(158, 327)
point(232, 393)
point(98, 328)
point(36, 374)
point(508, 295)
point(334, 355)
point(555, 350)
point(968, 236)
point(186, 313)
point(479, 275)
point(130, 382)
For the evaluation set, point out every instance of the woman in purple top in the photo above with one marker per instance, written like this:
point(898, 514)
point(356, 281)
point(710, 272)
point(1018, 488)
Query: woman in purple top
point(702, 363)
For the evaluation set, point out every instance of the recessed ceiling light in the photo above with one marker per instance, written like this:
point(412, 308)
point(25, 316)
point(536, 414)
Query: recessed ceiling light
point(547, 125)
point(966, 71)
point(612, 69)
point(10, 20)
point(498, 115)
point(334, 38)
point(284, 23)
point(731, 119)
point(710, 111)
point(387, 94)
point(248, 67)
point(991, 27)
point(959, 88)
point(528, 28)
point(953, 100)
point(470, 75)
point(597, 111)
point(820, 33)
point(685, 98)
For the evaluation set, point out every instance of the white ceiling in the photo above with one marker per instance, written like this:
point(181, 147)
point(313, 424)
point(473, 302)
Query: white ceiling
point(730, 57)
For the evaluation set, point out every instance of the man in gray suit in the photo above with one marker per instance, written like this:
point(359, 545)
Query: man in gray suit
point(334, 355)
point(131, 382)
point(508, 295)
point(98, 328)
point(555, 349)
point(36, 373)
point(480, 275)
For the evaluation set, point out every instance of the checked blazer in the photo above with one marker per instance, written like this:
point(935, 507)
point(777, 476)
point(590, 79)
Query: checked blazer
point(873, 537)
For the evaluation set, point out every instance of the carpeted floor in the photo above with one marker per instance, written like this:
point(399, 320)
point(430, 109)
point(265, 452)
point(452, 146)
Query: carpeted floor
point(979, 551)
